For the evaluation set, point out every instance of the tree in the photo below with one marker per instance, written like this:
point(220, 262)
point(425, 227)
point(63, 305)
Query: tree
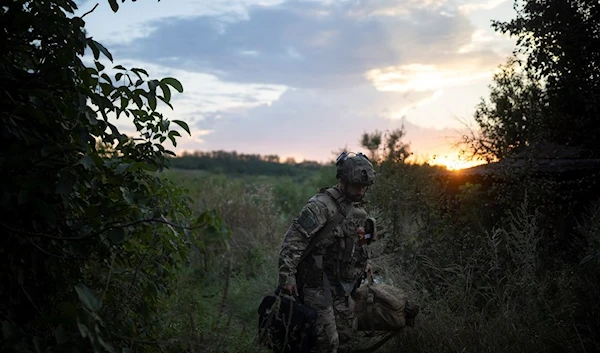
point(371, 142)
point(81, 210)
point(560, 40)
point(513, 117)
point(393, 150)
point(396, 151)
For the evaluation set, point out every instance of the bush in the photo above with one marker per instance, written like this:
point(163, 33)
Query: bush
point(485, 283)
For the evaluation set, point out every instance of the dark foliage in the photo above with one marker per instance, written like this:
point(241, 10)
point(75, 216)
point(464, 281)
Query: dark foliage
point(555, 95)
point(232, 163)
point(90, 237)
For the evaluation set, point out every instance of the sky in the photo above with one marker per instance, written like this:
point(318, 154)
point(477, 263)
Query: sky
point(306, 78)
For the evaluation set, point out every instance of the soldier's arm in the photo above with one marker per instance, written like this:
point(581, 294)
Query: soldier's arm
point(311, 218)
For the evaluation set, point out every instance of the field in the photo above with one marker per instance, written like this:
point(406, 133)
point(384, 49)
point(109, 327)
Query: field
point(481, 289)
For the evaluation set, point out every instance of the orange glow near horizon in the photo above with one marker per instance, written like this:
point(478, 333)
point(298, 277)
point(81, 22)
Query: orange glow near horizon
point(452, 161)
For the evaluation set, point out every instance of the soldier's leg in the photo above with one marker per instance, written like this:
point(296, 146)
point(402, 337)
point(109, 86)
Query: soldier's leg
point(346, 323)
point(327, 335)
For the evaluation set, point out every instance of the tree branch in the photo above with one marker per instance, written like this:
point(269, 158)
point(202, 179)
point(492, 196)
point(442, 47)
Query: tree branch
point(92, 10)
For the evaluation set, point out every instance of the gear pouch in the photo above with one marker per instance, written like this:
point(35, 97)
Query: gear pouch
point(370, 230)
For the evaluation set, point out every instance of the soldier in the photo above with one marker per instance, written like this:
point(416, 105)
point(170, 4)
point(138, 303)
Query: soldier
point(328, 276)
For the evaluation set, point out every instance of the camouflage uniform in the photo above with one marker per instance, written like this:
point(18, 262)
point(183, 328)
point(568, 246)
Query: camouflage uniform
point(334, 268)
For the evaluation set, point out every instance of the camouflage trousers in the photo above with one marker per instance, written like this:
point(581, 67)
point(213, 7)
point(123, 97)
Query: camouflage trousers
point(336, 324)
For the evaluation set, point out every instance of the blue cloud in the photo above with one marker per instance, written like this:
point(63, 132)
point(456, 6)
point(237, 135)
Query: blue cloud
point(301, 44)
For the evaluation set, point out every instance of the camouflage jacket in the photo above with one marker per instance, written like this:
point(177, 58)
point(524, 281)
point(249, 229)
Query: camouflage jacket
point(338, 255)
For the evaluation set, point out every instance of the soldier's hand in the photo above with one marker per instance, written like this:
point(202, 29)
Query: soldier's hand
point(290, 289)
point(369, 268)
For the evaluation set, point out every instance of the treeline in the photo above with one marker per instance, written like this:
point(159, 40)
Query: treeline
point(233, 163)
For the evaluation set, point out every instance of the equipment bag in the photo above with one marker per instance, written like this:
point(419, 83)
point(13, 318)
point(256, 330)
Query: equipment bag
point(382, 307)
point(285, 325)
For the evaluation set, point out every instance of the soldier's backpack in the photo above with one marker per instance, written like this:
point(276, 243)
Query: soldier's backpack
point(383, 307)
point(285, 325)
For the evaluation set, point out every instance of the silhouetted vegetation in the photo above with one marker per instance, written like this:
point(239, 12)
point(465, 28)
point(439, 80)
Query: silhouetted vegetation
point(548, 92)
point(233, 163)
point(91, 238)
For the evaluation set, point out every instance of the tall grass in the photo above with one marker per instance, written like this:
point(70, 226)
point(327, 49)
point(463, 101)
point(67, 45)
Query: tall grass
point(481, 288)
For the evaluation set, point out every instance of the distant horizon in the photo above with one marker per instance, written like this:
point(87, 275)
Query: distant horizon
point(288, 159)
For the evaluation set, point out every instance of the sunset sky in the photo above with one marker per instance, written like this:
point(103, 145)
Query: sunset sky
point(306, 78)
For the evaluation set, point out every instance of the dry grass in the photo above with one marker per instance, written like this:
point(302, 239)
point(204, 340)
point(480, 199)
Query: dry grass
point(480, 290)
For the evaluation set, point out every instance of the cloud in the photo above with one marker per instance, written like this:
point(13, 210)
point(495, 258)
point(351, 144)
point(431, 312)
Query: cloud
point(374, 8)
point(304, 78)
point(304, 44)
point(423, 77)
point(402, 113)
point(205, 98)
point(142, 21)
point(481, 6)
point(313, 123)
point(207, 93)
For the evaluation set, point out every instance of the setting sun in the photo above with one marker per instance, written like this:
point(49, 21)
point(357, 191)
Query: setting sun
point(452, 161)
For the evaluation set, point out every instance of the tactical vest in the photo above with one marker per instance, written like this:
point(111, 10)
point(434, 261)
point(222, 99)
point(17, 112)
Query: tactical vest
point(337, 261)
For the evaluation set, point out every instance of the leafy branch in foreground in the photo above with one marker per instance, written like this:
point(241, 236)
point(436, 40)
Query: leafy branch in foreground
point(69, 173)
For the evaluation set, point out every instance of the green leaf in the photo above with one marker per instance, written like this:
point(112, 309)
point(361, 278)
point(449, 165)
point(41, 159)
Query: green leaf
point(139, 71)
point(152, 84)
point(99, 66)
point(152, 101)
point(166, 92)
point(95, 50)
point(122, 168)
point(184, 125)
point(88, 298)
point(107, 78)
point(106, 345)
point(164, 101)
point(83, 330)
point(85, 230)
point(87, 161)
point(173, 83)
point(119, 67)
point(114, 5)
point(138, 101)
point(103, 50)
point(172, 138)
point(127, 195)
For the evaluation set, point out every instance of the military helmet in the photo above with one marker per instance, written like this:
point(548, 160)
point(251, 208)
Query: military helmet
point(354, 169)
